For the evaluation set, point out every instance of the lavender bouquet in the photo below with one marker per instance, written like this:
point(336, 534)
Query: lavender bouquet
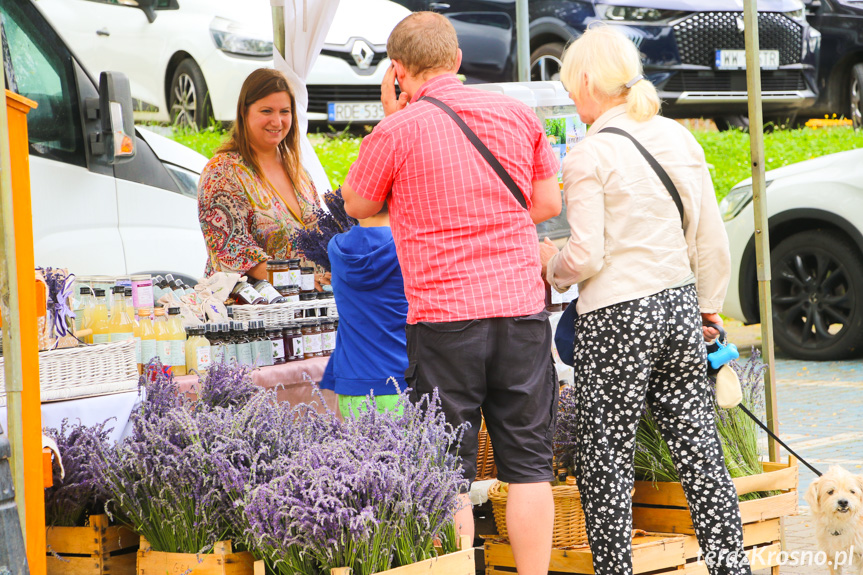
point(76, 495)
point(313, 241)
point(374, 494)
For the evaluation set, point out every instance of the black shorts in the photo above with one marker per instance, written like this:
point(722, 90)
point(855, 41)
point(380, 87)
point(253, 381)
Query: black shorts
point(502, 366)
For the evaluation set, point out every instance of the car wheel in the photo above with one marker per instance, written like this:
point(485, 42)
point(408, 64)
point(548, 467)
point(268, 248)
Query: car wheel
point(818, 296)
point(725, 123)
point(189, 99)
point(854, 88)
point(545, 62)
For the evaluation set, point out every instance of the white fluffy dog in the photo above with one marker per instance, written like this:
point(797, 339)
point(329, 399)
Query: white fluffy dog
point(836, 501)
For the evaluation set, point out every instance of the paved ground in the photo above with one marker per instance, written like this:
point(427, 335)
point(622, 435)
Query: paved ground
point(820, 407)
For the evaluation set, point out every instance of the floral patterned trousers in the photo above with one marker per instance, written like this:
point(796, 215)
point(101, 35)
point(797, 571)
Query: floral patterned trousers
point(650, 351)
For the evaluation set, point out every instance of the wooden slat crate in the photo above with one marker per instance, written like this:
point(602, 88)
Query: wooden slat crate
point(653, 553)
point(662, 508)
point(99, 549)
point(222, 561)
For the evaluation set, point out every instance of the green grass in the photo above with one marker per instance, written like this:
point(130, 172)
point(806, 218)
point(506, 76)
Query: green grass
point(727, 152)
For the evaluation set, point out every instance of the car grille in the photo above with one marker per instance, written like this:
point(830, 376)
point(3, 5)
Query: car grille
point(721, 81)
point(700, 35)
point(347, 57)
point(320, 95)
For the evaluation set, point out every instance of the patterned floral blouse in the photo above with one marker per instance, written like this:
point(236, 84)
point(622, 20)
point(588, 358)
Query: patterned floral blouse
point(244, 220)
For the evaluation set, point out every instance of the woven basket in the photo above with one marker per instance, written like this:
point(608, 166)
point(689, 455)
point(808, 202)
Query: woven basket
point(485, 467)
point(569, 527)
point(76, 372)
point(281, 314)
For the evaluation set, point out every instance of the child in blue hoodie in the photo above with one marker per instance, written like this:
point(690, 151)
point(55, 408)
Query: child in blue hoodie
point(371, 344)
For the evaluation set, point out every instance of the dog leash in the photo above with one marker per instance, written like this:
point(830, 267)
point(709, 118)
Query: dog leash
point(782, 443)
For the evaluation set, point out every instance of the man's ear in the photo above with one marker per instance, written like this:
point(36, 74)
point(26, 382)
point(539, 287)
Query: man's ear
point(400, 69)
point(457, 62)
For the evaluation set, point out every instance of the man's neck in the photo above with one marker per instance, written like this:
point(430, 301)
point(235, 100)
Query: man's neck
point(413, 84)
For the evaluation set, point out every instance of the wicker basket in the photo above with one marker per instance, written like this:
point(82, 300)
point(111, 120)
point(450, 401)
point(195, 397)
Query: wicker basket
point(281, 314)
point(76, 372)
point(485, 467)
point(569, 527)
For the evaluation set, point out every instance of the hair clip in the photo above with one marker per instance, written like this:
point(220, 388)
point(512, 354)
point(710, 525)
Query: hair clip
point(634, 81)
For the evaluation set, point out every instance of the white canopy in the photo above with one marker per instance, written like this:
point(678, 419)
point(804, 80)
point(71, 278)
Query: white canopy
point(306, 23)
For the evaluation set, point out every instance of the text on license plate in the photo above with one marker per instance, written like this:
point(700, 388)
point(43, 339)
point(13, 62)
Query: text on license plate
point(355, 111)
point(736, 59)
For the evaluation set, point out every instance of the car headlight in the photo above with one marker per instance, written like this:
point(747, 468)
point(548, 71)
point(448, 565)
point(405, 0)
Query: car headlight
point(633, 14)
point(798, 15)
point(231, 37)
point(185, 179)
point(737, 199)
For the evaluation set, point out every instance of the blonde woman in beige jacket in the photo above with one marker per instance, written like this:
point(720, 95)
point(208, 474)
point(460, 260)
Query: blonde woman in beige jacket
point(647, 283)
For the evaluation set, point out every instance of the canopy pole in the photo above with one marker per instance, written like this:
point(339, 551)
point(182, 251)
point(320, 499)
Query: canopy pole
point(759, 202)
point(522, 27)
point(278, 26)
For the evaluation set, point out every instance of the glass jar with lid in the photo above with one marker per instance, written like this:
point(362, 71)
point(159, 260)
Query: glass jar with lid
point(274, 334)
point(243, 293)
point(291, 293)
point(294, 269)
point(277, 272)
point(328, 337)
point(312, 343)
point(266, 289)
point(293, 342)
point(307, 279)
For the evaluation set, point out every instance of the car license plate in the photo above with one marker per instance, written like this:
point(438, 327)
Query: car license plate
point(736, 59)
point(355, 111)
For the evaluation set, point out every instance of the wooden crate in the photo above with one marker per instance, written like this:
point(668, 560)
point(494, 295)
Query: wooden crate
point(662, 508)
point(658, 554)
point(459, 563)
point(99, 549)
point(222, 561)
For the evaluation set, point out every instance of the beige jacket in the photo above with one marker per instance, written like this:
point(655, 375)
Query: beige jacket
point(626, 240)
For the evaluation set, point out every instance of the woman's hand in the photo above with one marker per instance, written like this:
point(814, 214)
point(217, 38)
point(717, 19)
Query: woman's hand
point(710, 333)
point(547, 250)
point(321, 280)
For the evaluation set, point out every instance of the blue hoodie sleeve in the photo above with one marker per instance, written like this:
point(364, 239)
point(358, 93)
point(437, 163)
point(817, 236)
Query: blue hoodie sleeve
point(328, 381)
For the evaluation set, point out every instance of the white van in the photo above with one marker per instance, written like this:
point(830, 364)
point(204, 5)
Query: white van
point(97, 209)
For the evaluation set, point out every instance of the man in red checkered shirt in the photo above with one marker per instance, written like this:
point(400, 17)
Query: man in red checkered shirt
point(477, 330)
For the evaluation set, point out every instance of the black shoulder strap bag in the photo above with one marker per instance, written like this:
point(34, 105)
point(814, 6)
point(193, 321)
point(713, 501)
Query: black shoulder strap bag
point(482, 149)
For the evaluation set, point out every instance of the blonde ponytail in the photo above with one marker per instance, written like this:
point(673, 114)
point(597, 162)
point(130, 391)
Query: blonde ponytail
point(642, 101)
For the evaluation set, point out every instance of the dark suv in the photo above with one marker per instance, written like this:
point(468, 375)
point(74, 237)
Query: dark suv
point(840, 73)
point(693, 50)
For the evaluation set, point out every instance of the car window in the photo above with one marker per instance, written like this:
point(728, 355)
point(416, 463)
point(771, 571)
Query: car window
point(42, 69)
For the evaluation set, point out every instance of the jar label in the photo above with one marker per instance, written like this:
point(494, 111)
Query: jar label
point(295, 276)
point(270, 293)
point(278, 349)
point(244, 353)
point(101, 338)
point(249, 293)
point(298, 346)
point(122, 336)
point(262, 350)
point(281, 279)
point(178, 352)
point(137, 350)
point(308, 282)
point(148, 350)
point(293, 298)
point(312, 343)
point(202, 356)
point(328, 340)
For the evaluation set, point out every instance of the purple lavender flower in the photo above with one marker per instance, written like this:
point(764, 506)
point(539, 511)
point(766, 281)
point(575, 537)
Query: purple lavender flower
point(313, 241)
point(75, 495)
point(227, 385)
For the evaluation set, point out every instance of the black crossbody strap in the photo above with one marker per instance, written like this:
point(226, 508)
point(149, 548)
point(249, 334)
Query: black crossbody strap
point(483, 150)
point(663, 175)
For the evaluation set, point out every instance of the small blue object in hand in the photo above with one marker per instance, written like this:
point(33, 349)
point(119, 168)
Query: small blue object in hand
point(718, 354)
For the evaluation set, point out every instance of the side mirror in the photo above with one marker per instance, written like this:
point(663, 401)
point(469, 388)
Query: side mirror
point(148, 7)
point(115, 140)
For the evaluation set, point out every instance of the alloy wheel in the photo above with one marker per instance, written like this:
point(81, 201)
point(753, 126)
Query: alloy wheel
point(813, 298)
point(184, 108)
point(856, 111)
point(545, 68)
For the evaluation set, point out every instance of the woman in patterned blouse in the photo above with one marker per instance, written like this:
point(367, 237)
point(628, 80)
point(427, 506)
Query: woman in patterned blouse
point(254, 194)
